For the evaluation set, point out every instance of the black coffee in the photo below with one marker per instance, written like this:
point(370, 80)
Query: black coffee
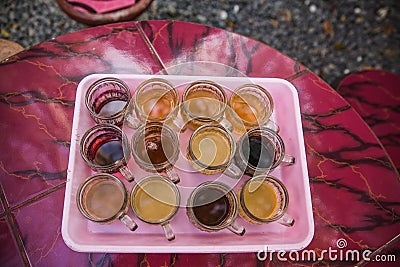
point(259, 151)
point(108, 153)
point(211, 206)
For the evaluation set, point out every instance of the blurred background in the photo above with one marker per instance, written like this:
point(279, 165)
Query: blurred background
point(331, 38)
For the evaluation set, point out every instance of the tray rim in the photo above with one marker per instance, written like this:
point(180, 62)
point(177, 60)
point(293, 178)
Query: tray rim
point(240, 248)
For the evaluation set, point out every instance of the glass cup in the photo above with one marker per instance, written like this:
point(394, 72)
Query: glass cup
point(155, 200)
point(204, 102)
point(155, 148)
point(107, 100)
point(264, 199)
point(261, 150)
point(103, 198)
point(155, 100)
point(253, 106)
point(102, 148)
point(213, 206)
point(211, 150)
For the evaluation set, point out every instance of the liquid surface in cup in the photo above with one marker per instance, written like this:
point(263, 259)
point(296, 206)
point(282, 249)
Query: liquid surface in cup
point(211, 206)
point(155, 149)
point(260, 199)
point(248, 107)
point(260, 152)
point(203, 103)
point(108, 153)
point(211, 148)
point(103, 200)
point(156, 102)
point(155, 201)
point(112, 107)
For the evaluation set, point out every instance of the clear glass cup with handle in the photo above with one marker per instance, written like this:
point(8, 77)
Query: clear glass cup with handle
point(261, 150)
point(264, 199)
point(103, 198)
point(211, 150)
point(105, 148)
point(253, 106)
point(155, 200)
point(155, 148)
point(107, 100)
point(213, 206)
point(155, 100)
point(204, 102)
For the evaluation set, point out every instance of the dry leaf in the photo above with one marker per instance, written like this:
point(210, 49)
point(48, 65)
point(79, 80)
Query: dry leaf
point(339, 46)
point(230, 24)
point(274, 22)
point(287, 15)
point(388, 29)
point(359, 20)
point(5, 33)
point(328, 28)
point(390, 52)
point(367, 67)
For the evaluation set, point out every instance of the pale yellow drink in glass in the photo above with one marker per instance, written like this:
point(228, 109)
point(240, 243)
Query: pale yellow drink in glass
point(211, 148)
point(156, 103)
point(203, 104)
point(154, 201)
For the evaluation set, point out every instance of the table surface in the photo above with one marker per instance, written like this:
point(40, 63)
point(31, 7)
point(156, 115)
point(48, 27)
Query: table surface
point(354, 187)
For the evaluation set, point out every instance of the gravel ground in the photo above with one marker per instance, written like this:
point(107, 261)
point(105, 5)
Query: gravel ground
point(332, 38)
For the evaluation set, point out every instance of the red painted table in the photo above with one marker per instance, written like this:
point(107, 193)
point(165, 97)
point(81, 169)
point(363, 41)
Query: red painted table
point(354, 187)
point(375, 95)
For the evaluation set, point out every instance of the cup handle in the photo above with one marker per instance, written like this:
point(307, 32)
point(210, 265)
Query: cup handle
point(172, 175)
point(261, 172)
point(226, 124)
point(125, 219)
point(132, 121)
point(233, 171)
point(178, 124)
point(272, 126)
point(286, 220)
point(237, 229)
point(169, 234)
point(127, 173)
point(289, 160)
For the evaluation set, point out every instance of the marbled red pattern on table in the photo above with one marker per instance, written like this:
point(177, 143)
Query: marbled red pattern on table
point(375, 95)
point(354, 185)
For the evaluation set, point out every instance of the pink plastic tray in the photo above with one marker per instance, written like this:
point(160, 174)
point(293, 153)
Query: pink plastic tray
point(83, 235)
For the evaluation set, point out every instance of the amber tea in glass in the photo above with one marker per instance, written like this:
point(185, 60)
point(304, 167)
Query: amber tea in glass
point(155, 148)
point(204, 102)
point(253, 106)
point(264, 199)
point(155, 100)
